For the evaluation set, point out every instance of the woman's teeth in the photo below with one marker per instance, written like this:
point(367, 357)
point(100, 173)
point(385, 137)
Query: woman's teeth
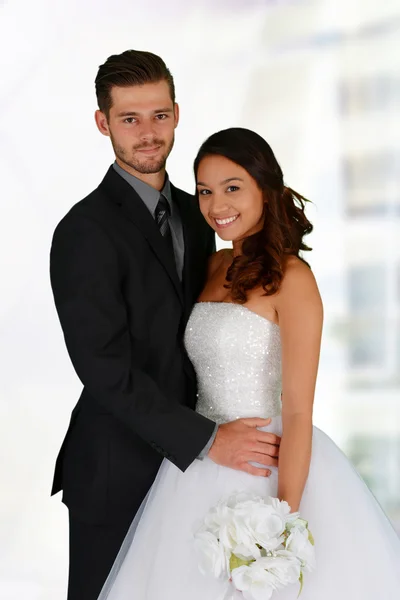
point(226, 221)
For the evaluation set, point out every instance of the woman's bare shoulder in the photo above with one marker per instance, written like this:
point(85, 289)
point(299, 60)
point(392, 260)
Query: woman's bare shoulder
point(296, 270)
point(299, 283)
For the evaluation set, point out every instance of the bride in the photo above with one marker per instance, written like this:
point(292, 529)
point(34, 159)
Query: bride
point(254, 339)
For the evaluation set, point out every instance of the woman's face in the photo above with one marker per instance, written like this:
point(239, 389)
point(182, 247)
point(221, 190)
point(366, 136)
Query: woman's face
point(230, 200)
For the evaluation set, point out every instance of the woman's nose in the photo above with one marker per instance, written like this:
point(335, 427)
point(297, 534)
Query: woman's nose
point(218, 205)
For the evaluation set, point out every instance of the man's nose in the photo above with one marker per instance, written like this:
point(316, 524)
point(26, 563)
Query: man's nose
point(146, 130)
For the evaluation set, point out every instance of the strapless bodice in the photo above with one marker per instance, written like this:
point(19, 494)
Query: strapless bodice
point(237, 357)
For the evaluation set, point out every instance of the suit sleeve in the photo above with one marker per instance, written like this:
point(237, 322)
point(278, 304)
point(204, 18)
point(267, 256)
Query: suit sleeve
point(85, 278)
point(211, 244)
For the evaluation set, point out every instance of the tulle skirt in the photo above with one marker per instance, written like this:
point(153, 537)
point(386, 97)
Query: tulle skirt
point(357, 549)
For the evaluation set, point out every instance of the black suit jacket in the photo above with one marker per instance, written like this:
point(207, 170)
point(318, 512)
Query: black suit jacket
point(123, 312)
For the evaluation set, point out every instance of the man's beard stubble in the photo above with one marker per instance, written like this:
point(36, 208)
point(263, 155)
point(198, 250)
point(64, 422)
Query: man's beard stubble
point(145, 167)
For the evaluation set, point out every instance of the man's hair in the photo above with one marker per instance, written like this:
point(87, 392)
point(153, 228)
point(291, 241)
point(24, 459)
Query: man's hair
point(132, 67)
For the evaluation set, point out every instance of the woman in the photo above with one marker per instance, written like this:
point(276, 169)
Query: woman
point(254, 339)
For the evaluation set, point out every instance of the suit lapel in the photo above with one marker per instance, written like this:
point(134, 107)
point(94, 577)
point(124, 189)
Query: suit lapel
point(185, 210)
point(121, 193)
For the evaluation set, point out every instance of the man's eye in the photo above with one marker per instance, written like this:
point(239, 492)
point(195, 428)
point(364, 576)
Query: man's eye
point(129, 120)
point(161, 117)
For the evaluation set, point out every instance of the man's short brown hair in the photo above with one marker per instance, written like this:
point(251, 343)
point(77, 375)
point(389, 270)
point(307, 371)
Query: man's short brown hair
point(132, 67)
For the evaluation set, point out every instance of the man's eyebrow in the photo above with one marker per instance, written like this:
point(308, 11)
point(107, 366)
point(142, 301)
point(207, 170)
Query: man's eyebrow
point(132, 113)
point(163, 110)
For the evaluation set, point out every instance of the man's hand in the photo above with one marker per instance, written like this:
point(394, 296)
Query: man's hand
point(239, 442)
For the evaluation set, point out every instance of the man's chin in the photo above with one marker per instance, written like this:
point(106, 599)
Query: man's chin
point(150, 170)
point(149, 167)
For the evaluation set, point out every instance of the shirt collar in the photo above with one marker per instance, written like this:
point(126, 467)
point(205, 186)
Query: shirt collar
point(149, 195)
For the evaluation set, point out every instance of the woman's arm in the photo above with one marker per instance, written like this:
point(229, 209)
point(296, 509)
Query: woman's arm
point(300, 313)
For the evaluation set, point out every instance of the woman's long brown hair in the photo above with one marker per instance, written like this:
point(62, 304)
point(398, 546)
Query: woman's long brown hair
point(264, 254)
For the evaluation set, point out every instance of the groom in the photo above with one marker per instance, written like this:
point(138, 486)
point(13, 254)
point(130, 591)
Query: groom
point(127, 263)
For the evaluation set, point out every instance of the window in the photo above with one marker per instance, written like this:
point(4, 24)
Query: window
point(367, 301)
point(371, 183)
point(365, 94)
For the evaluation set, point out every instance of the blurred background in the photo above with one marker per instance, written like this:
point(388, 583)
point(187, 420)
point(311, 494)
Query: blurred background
point(320, 80)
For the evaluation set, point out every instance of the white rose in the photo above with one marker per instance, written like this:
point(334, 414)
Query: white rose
point(246, 551)
point(217, 517)
point(246, 542)
point(299, 545)
point(240, 499)
point(260, 523)
point(218, 521)
point(213, 559)
point(266, 574)
point(226, 522)
point(282, 508)
point(254, 582)
point(282, 566)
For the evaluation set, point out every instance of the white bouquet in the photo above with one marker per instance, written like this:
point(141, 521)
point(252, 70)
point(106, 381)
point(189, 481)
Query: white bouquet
point(256, 544)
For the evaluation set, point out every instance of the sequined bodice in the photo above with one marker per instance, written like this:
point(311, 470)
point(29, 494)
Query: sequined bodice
point(237, 357)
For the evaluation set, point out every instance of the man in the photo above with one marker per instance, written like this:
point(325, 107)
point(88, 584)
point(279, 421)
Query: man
point(127, 263)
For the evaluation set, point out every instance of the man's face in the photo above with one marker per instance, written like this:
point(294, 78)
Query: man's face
point(141, 125)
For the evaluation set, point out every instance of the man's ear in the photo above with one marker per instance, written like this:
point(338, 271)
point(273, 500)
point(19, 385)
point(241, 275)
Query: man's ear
point(102, 123)
point(176, 114)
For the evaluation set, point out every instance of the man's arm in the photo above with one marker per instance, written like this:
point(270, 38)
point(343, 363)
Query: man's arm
point(85, 279)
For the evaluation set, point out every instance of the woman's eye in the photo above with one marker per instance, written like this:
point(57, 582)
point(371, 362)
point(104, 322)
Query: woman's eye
point(204, 192)
point(232, 188)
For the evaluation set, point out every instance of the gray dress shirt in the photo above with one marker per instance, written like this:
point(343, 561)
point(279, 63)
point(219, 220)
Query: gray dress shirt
point(150, 197)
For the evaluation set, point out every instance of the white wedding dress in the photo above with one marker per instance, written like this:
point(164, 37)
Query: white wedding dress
point(237, 357)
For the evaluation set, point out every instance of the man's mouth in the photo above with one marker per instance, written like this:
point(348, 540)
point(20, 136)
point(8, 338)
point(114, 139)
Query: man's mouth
point(149, 150)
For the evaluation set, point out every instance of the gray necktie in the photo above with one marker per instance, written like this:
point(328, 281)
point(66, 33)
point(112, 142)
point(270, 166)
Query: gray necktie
point(162, 220)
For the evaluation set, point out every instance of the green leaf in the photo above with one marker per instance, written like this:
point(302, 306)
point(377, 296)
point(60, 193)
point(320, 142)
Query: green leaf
point(235, 562)
point(301, 579)
point(303, 522)
point(311, 538)
point(300, 521)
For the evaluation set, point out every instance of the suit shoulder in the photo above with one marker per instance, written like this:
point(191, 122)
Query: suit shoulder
point(184, 195)
point(89, 209)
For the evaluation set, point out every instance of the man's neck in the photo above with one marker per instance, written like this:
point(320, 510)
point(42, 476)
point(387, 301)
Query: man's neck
point(155, 180)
